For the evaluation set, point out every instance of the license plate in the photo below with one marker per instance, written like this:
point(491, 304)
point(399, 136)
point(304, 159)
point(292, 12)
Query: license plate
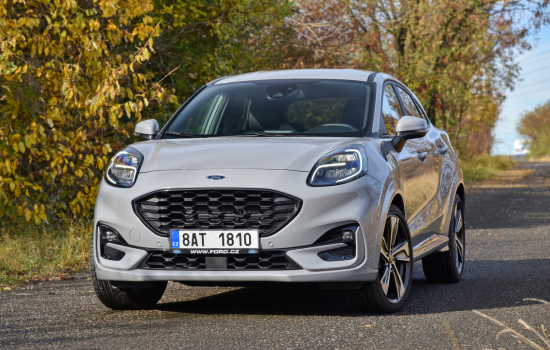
point(215, 242)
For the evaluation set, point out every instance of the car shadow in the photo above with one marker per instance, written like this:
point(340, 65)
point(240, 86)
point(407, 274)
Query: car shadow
point(487, 284)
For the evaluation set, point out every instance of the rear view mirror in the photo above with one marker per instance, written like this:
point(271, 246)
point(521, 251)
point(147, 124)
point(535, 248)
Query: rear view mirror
point(409, 128)
point(147, 129)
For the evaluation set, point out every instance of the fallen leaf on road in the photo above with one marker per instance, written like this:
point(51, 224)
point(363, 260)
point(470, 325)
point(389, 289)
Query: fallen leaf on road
point(52, 293)
point(402, 316)
point(367, 326)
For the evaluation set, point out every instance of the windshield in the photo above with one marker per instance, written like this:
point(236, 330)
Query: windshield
point(278, 108)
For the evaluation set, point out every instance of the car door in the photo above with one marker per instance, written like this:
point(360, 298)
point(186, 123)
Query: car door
point(413, 165)
point(439, 177)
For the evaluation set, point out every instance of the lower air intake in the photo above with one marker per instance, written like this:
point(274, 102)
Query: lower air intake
point(266, 260)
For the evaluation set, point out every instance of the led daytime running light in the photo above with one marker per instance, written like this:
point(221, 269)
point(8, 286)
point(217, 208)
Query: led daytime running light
point(340, 166)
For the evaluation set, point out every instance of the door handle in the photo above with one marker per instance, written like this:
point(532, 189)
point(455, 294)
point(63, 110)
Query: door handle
point(422, 155)
point(442, 149)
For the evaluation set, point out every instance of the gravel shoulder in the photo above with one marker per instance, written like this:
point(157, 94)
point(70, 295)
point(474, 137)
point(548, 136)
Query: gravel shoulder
point(508, 261)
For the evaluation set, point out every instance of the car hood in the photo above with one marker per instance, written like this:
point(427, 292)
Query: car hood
point(281, 153)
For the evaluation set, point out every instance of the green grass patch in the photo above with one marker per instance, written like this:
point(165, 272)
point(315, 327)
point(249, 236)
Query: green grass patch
point(484, 167)
point(39, 252)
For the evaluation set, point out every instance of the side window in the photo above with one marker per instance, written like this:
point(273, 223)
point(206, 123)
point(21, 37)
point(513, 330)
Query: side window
point(410, 107)
point(391, 109)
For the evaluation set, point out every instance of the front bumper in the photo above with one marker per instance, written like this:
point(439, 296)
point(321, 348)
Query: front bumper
point(323, 209)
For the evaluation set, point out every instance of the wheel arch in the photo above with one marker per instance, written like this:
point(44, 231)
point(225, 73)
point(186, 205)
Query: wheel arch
point(461, 192)
point(398, 202)
point(392, 196)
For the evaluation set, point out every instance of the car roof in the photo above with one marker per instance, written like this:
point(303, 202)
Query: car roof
point(336, 74)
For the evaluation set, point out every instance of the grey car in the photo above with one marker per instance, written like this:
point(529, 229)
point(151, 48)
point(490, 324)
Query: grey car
point(325, 176)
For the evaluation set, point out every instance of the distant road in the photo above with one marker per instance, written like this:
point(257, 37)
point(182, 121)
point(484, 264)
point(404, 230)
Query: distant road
point(508, 260)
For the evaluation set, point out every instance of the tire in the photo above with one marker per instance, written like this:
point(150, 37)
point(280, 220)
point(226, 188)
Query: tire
point(124, 299)
point(384, 294)
point(448, 266)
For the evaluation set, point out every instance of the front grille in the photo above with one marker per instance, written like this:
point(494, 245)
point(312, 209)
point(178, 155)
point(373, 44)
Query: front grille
point(266, 260)
point(263, 210)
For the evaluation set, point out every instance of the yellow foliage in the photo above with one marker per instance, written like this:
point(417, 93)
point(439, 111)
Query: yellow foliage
point(66, 69)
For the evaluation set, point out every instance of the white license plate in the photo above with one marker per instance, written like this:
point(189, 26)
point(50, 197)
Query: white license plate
point(215, 242)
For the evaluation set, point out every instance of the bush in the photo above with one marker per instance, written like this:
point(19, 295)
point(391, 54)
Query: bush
point(72, 85)
point(535, 125)
point(77, 75)
point(484, 167)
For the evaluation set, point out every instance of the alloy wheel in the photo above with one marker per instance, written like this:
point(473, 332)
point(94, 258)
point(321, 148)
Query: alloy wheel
point(459, 239)
point(395, 258)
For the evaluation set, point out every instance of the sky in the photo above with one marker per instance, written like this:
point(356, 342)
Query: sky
point(531, 91)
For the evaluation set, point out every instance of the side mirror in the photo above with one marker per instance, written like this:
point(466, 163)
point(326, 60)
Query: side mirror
point(409, 128)
point(147, 129)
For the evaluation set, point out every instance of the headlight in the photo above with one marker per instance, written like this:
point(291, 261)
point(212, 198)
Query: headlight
point(123, 168)
point(340, 166)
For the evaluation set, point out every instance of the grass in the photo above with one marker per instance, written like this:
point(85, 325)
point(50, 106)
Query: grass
point(41, 252)
point(484, 167)
point(541, 337)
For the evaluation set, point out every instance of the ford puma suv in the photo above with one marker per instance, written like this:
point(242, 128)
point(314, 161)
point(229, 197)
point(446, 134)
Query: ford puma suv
point(334, 177)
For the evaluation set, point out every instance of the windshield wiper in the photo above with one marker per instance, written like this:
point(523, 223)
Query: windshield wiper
point(180, 134)
point(264, 134)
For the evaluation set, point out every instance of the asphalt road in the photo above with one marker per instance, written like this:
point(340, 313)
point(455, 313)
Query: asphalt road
point(508, 260)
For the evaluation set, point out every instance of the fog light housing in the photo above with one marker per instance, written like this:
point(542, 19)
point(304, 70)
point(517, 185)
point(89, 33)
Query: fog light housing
point(110, 235)
point(338, 254)
point(342, 234)
point(347, 236)
point(110, 253)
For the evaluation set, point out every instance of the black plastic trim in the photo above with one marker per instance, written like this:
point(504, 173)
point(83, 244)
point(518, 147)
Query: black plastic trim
point(325, 238)
point(229, 264)
point(291, 217)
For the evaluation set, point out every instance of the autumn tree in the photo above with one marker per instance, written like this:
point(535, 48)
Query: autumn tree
point(71, 87)
point(211, 39)
point(75, 77)
point(457, 55)
point(535, 125)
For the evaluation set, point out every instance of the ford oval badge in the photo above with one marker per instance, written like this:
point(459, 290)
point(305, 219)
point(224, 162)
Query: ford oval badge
point(215, 177)
point(252, 251)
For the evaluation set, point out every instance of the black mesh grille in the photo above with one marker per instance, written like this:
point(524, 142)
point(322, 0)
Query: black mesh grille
point(266, 211)
point(268, 260)
point(167, 260)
